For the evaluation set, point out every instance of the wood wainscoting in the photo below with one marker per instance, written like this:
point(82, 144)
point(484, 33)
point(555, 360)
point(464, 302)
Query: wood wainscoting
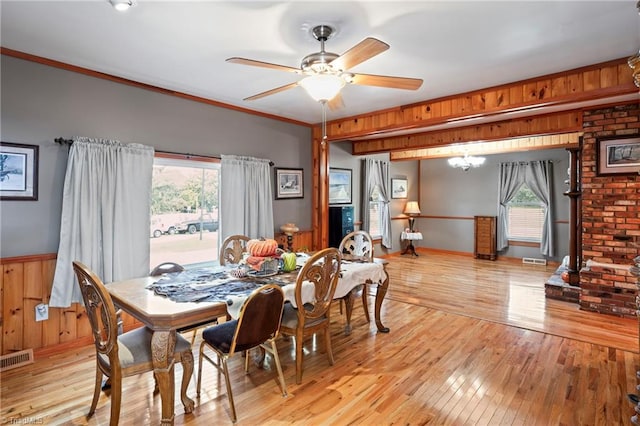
point(26, 282)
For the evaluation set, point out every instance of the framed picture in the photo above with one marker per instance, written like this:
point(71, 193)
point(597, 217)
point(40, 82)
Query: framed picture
point(399, 188)
point(339, 186)
point(289, 183)
point(618, 155)
point(18, 171)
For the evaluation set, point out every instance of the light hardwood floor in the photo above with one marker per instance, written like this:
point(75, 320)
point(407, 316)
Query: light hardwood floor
point(472, 342)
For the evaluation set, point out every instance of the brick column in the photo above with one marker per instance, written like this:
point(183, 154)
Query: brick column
point(610, 218)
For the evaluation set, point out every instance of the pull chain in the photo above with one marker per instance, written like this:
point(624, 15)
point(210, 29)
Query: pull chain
point(324, 122)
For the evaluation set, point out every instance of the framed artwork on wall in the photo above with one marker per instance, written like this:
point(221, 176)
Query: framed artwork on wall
point(618, 155)
point(339, 186)
point(289, 183)
point(18, 172)
point(399, 188)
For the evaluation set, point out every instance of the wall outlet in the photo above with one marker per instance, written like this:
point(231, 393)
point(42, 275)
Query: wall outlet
point(42, 312)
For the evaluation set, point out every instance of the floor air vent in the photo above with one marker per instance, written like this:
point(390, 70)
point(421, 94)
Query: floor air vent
point(16, 359)
point(534, 261)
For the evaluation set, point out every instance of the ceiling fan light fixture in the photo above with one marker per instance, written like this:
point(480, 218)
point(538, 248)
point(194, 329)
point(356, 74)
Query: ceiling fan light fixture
point(322, 87)
point(121, 5)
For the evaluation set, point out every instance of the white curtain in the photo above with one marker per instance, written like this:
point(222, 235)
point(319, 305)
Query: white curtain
point(246, 197)
point(105, 214)
point(376, 173)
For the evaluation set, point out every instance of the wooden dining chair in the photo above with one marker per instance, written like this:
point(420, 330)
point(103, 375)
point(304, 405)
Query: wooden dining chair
point(257, 326)
point(232, 249)
point(357, 246)
point(166, 268)
point(120, 355)
point(321, 270)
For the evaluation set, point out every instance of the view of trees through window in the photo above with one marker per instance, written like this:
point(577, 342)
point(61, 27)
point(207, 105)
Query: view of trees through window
point(184, 211)
point(526, 216)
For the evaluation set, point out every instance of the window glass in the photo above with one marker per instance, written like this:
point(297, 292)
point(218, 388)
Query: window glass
point(525, 216)
point(184, 211)
point(375, 213)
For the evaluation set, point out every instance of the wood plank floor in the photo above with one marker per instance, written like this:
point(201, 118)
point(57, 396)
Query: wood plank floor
point(472, 342)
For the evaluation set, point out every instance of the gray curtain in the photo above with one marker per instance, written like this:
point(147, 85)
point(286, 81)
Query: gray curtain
point(376, 173)
point(538, 178)
point(105, 214)
point(246, 198)
point(511, 178)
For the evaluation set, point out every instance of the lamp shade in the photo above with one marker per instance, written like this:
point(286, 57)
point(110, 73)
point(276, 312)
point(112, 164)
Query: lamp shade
point(412, 208)
point(322, 87)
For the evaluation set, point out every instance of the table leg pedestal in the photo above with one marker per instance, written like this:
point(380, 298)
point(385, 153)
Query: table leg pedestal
point(348, 307)
point(162, 345)
point(381, 292)
point(410, 249)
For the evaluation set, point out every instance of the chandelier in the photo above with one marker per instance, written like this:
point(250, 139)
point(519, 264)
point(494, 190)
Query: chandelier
point(466, 162)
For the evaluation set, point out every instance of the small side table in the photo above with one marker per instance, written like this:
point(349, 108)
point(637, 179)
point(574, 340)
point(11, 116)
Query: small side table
point(411, 237)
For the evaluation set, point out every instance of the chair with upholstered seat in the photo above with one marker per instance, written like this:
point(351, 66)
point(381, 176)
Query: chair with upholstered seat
point(257, 326)
point(357, 246)
point(232, 249)
point(315, 286)
point(120, 355)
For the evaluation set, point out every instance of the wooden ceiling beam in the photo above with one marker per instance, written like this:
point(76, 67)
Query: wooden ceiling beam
point(560, 122)
point(599, 81)
point(531, 143)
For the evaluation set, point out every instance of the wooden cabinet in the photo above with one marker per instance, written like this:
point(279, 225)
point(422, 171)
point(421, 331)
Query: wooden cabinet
point(302, 241)
point(485, 237)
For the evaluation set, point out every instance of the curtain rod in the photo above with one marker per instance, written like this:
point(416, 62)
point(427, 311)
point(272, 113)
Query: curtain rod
point(69, 142)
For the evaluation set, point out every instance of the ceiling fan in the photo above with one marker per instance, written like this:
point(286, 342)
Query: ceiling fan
point(326, 73)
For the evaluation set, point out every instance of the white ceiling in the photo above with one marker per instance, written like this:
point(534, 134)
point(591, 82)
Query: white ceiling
point(454, 46)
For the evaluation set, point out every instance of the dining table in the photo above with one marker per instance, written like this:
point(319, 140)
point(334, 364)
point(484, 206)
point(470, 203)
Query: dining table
point(178, 300)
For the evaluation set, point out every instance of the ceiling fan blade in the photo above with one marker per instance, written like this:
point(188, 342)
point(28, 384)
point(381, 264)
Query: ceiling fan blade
point(244, 61)
point(271, 92)
point(387, 81)
point(336, 103)
point(366, 49)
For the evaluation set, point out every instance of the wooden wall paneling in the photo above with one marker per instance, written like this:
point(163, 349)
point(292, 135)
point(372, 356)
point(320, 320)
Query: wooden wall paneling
point(68, 322)
point(13, 309)
point(588, 83)
point(51, 327)
point(561, 122)
point(33, 284)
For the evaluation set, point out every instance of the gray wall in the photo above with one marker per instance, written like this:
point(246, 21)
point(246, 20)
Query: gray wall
point(450, 192)
point(340, 156)
point(40, 103)
point(457, 196)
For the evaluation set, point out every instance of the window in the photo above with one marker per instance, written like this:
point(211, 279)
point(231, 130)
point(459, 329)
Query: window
point(375, 213)
point(525, 216)
point(184, 210)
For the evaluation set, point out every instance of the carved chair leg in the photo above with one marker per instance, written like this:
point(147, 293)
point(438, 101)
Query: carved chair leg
point(186, 359)
point(96, 392)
